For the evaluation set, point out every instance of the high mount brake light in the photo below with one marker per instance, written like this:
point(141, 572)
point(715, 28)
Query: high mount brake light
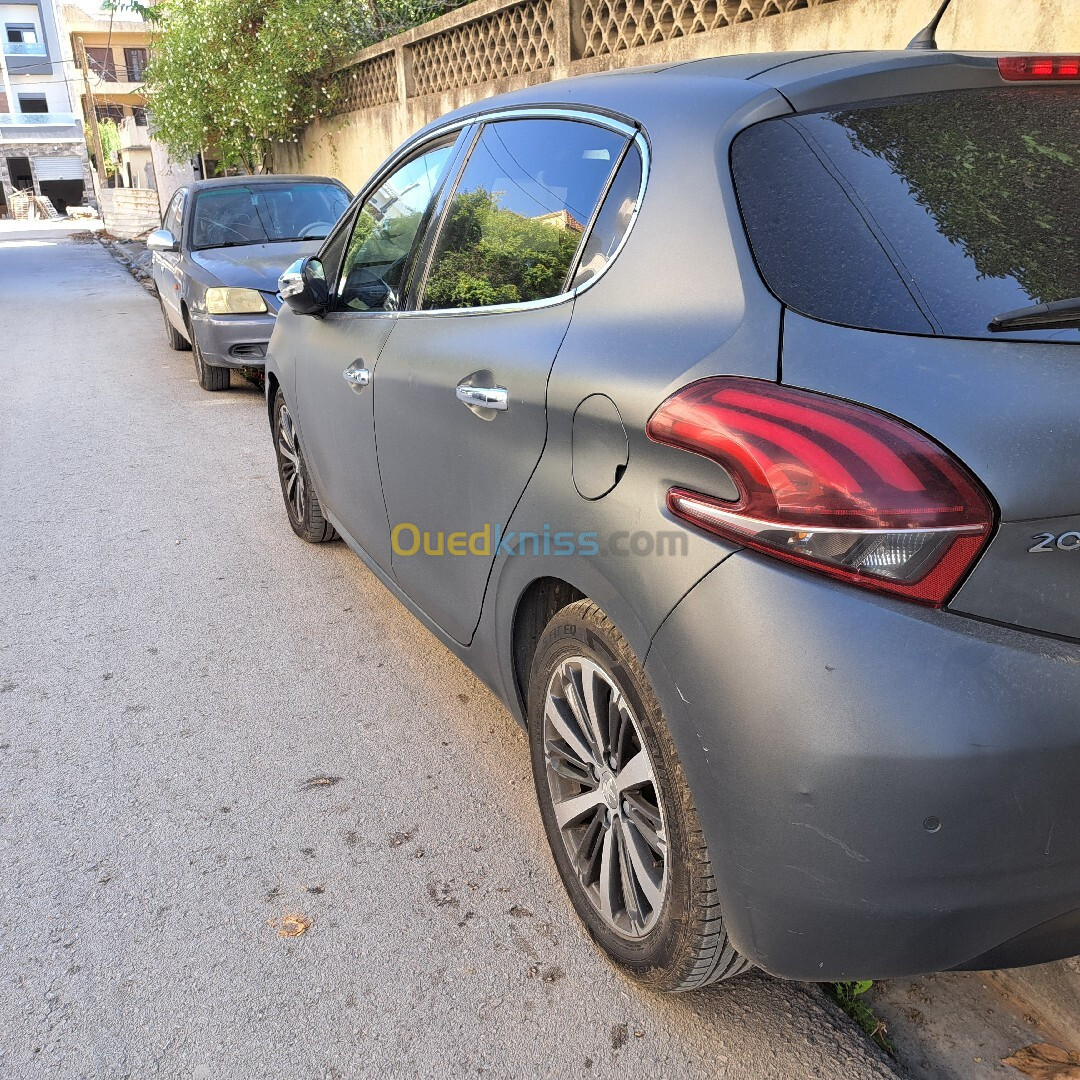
point(832, 486)
point(1028, 68)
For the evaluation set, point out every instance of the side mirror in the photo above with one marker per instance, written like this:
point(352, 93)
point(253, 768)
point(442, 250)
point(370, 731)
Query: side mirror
point(162, 240)
point(303, 287)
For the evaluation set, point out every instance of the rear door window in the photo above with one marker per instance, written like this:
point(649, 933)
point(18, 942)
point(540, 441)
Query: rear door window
point(923, 215)
point(513, 227)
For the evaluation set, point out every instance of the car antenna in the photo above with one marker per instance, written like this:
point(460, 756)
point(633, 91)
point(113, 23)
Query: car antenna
point(926, 38)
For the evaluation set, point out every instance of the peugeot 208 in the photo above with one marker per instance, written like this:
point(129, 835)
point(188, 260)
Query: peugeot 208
point(723, 417)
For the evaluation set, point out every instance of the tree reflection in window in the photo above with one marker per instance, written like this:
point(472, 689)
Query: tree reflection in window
point(999, 172)
point(515, 223)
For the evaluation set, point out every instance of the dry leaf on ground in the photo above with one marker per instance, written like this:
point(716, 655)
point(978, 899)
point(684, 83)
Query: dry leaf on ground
point(295, 925)
point(317, 782)
point(1044, 1061)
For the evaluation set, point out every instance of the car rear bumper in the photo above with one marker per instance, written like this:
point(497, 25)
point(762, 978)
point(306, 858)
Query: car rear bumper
point(234, 340)
point(885, 789)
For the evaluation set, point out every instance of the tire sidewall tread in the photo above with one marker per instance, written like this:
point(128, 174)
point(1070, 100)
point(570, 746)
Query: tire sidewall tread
point(689, 948)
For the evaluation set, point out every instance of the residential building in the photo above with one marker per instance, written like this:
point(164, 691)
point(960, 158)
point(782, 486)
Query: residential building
point(117, 51)
point(42, 148)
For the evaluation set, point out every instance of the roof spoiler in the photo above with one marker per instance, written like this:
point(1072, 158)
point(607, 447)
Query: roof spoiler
point(926, 38)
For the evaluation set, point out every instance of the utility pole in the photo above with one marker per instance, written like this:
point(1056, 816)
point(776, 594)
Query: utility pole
point(90, 109)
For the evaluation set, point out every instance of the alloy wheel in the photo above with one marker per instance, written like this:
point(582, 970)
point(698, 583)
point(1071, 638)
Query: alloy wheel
point(605, 796)
point(292, 475)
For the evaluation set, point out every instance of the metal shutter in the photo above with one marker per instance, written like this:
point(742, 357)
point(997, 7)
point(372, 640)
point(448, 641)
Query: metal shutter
point(58, 168)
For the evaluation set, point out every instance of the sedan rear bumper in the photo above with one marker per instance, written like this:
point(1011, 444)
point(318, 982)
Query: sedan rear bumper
point(885, 789)
point(234, 340)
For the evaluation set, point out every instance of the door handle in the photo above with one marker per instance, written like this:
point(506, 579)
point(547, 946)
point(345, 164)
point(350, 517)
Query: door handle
point(484, 397)
point(356, 376)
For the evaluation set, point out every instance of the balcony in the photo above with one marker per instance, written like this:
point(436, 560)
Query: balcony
point(39, 127)
point(38, 119)
point(122, 78)
point(25, 48)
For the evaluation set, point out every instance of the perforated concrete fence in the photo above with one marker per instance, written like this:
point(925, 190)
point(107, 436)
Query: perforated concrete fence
point(386, 92)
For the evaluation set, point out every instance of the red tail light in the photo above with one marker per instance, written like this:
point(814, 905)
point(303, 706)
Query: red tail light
point(832, 486)
point(1026, 68)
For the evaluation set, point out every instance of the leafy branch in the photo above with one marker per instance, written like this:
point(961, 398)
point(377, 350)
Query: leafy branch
point(238, 76)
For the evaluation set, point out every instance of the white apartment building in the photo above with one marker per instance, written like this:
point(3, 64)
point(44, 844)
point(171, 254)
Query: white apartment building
point(42, 148)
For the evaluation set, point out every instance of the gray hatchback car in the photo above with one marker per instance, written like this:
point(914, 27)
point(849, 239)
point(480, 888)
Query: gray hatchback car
point(217, 258)
point(723, 418)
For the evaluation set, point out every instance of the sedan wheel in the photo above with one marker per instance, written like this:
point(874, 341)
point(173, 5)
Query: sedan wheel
point(301, 501)
point(619, 815)
point(210, 377)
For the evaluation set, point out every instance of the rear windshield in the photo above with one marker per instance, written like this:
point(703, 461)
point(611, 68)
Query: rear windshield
point(265, 213)
point(923, 215)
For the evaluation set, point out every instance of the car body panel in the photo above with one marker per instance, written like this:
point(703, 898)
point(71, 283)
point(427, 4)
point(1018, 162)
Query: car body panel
point(873, 824)
point(253, 266)
point(1029, 576)
point(476, 486)
point(337, 422)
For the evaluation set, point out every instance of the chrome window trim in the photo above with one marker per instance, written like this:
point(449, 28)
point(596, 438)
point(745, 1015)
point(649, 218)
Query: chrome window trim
point(634, 134)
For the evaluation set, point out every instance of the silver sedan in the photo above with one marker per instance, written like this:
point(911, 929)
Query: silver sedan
point(218, 255)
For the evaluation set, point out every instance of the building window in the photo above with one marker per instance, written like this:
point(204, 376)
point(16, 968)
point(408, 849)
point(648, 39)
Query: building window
point(110, 112)
point(25, 33)
point(140, 115)
point(33, 103)
point(135, 62)
point(101, 63)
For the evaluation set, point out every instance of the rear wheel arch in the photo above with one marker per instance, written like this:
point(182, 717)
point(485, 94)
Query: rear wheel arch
point(540, 602)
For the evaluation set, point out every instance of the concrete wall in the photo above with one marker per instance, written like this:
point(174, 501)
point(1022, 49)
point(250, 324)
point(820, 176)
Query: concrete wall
point(129, 212)
point(169, 174)
point(390, 90)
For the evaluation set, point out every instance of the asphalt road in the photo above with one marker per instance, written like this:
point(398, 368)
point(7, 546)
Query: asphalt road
point(176, 668)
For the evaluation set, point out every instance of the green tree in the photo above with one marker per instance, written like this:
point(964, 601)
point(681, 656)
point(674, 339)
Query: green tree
point(110, 145)
point(241, 75)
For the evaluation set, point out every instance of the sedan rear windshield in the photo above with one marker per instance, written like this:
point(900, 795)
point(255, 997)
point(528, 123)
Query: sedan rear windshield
point(265, 214)
point(922, 215)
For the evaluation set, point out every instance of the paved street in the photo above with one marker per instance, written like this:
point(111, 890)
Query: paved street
point(177, 671)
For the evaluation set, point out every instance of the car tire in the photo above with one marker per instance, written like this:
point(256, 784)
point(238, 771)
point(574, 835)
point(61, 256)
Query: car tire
point(301, 501)
point(630, 849)
point(177, 341)
point(209, 376)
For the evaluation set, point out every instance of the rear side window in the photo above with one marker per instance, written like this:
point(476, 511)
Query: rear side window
point(923, 215)
point(520, 209)
point(613, 221)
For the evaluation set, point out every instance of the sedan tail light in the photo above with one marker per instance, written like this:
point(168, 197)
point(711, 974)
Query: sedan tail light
point(834, 487)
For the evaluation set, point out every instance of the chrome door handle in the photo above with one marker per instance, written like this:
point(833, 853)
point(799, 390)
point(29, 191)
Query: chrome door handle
point(484, 397)
point(356, 376)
